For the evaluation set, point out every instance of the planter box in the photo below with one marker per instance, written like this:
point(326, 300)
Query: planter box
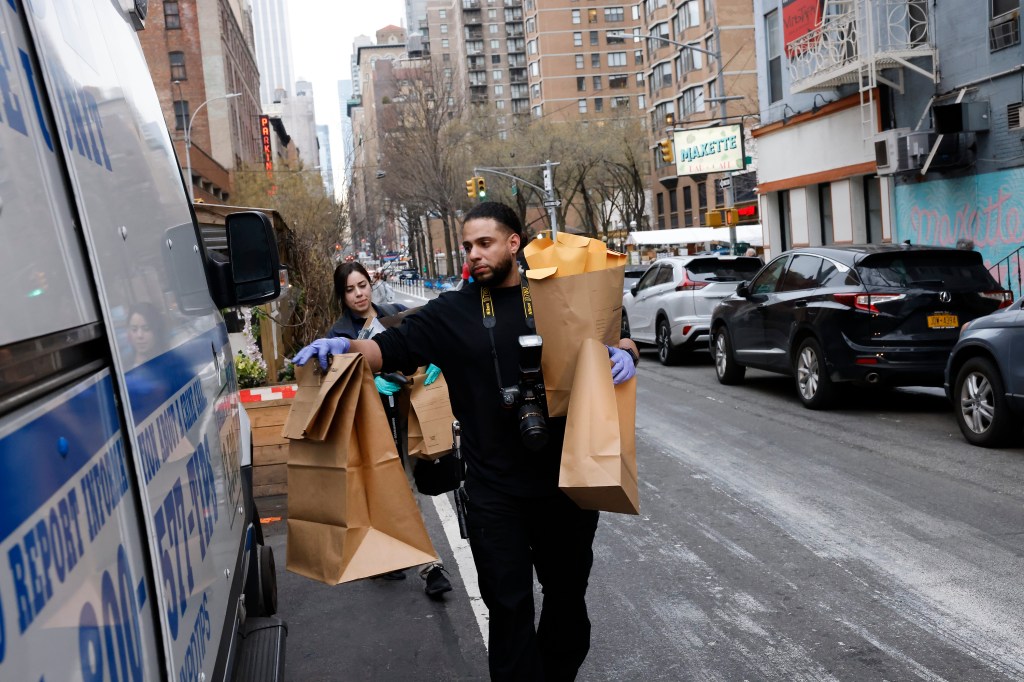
point(269, 447)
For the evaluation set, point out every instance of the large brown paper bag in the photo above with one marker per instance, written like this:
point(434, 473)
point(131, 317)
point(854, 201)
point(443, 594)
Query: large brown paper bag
point(351, 513)
point(430, 418)
point(598, 469)
point(568, 310)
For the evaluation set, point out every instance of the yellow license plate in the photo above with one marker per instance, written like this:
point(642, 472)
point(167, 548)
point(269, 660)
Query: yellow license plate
point(943, 321)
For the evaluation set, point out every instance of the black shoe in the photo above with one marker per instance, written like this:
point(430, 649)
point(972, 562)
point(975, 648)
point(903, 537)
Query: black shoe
point(391, 575)
point(437, 582)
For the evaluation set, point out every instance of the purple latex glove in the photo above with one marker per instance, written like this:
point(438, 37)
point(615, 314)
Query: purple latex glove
point(623, 368)
point(322, 348)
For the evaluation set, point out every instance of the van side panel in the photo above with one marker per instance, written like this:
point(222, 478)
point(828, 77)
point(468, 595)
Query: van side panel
point(168, 340)
point(74, 599)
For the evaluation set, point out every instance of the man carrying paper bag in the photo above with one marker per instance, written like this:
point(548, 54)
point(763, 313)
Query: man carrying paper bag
point(351, 513)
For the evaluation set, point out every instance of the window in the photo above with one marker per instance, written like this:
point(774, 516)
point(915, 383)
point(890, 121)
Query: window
point(177, 60)
point(635, 15)
point(614, 39)
point(492, 28)
point(661, 223)
point(500, 104)
point(692, 101)
point(591, 16)
point(689, 14)
point(581, 83)
point(616, 59)
point(582, 105)
point(638, 57)
point(171, 17)
point(180, 113)
point(535, 69)
point(535, 91)
point(442, 14)
point(537, 111)
point(576, 16)
point(499, 90)
point(597, 82)
point(446, 57)
point(661, 76)
point(766, 282)
point(444, 43)
point(802, 273)
point(492, 14)
point(825, 213)
point(640, 79)
point(495, 44)
point(579, 61)
point(614, 14)
point(595, 38)
point(495, 59)
point(531, 47)
point(651, 276)
point(595, 61)
point(641, 102)
point(598, 104)
point(618, 82)
point(444, 28)
point(496, 75)
point(1001, 7)
point(577, 39)
point(774, 31)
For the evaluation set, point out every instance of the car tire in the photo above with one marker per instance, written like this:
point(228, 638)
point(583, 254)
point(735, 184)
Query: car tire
point(667, 353)
point(980, 406)
point(814, 386)
point(624, 328)
point(729, 371)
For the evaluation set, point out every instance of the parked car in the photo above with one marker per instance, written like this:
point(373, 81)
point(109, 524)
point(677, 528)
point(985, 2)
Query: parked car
point(632, 276)
point(670, 306)
point(985, 377)
point(876, 314)
point(408, 274)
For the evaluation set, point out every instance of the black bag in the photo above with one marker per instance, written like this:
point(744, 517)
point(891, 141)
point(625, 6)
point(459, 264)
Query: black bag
point(437, 476)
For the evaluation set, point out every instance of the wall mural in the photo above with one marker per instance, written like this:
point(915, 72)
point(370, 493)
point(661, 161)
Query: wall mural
point(988, 209)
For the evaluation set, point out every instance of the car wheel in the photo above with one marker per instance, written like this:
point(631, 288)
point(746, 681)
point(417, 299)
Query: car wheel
point(624, 331)
point(728, 370)
point(667, 354)
point(813, 384)
point(981, 408)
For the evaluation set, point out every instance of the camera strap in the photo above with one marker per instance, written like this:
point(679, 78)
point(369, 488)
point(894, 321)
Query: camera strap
point(490, 321)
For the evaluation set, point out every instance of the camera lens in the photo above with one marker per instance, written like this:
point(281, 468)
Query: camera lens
point(533, 428)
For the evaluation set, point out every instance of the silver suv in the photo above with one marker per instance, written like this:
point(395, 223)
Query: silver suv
point(671, 305)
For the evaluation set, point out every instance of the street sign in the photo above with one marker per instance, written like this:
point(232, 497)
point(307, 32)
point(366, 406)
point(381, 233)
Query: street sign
point(725, 182)
point(552, 204)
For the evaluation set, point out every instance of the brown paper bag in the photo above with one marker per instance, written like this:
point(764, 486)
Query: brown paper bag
point(351, 513)
point(430, 418)
point(598, 469)
point(568, 310)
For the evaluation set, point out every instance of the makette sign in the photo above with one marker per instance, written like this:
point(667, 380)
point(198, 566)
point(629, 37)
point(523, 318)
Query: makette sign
point(709, 150)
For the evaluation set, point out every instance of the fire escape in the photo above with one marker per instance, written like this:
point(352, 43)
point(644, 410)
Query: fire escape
point(864, 43)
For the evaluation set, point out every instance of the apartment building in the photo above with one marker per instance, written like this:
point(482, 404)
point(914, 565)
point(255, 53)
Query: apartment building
point(583, 61)
point(198, 54)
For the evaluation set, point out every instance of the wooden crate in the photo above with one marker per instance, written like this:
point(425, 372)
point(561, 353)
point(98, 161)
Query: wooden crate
point(269, 447)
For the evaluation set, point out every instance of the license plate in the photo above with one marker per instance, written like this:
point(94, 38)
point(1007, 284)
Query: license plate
point(943, 321)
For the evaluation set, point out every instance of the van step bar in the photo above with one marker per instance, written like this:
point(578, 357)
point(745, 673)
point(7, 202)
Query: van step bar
point(261, 652)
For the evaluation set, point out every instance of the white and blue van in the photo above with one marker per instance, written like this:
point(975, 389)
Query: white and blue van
point(129, 544)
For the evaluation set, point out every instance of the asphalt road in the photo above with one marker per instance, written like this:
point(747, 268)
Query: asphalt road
point(865, 543)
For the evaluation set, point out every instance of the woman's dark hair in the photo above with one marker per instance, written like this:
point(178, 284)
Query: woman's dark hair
point(499, 212)
point(153, 317)
point(341, 274)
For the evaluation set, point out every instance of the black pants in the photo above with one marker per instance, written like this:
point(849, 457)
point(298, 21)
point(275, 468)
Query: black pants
point(510, 536)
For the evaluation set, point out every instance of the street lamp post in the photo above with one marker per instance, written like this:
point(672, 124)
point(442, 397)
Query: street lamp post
point(722, 98)
point(188, 134)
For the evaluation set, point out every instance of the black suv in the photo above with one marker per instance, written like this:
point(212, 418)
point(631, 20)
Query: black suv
point(876, 314)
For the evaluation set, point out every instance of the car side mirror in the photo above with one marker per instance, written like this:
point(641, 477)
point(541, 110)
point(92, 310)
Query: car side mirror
point(249, 274)
point(743, 289)
point(632, 290)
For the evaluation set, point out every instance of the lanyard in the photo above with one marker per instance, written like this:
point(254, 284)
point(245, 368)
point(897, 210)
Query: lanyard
point(487, 307)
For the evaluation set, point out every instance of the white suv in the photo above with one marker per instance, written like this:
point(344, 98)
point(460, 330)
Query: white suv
point(671, 305)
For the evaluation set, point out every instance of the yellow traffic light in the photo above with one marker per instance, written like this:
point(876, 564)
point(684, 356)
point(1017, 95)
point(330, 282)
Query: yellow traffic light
point(471, 188)
point(732, 216)
point(481, 188)
point(666, 150)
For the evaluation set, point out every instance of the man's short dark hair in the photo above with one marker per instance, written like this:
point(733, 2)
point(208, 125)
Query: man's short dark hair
point(497, 211)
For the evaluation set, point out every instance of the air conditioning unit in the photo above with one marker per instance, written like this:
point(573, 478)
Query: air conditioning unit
point(1004, 33)
point(904, 151)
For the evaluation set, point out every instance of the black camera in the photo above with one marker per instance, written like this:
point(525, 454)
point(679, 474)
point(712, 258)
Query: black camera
point(528, 395)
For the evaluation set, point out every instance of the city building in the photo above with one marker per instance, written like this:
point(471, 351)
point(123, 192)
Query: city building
point(273, 49)
point(202, 60)
point(344, 97)
point(323, 136)
point(299, 116)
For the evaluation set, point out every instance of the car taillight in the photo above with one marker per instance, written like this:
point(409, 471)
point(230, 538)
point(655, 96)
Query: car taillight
point(1005, 298)
point(866, 302)
point(689, 285)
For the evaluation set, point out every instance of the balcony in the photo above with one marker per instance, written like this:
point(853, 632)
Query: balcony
point(856, 39)
point(472, 34)
point(470, 4)
point(517, 62)
point(514, 31)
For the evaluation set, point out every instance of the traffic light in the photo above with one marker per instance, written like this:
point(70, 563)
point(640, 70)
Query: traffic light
point(666, 150)
point(471, 188)
point(481, 188)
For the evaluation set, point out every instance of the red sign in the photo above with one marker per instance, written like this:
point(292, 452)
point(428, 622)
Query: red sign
point(799, 17)
point(268, 154)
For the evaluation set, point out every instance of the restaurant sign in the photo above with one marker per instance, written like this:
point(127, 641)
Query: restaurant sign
point(709, 150)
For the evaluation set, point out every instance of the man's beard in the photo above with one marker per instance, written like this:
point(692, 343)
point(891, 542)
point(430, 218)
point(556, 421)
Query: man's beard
point(498, 273)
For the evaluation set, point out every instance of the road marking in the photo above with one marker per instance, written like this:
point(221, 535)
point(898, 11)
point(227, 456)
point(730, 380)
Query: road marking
point(463, 561)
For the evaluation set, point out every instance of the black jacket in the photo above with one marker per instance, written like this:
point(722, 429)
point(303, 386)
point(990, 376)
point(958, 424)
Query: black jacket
point(449, 332)
point(348, 326)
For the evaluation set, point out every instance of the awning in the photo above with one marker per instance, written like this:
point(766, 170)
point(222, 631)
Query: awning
point(750, 234)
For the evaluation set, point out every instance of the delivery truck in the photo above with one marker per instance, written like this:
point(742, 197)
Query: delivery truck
point(130, 548)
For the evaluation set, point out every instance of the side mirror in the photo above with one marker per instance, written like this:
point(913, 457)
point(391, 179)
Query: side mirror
point(632, 290)
point(743, 289)
point(249, 274)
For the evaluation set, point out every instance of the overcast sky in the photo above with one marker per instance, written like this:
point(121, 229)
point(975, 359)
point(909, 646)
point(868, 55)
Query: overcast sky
point(321, 35)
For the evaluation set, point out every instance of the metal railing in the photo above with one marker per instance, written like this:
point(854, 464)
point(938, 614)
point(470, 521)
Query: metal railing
point(1008, 271)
